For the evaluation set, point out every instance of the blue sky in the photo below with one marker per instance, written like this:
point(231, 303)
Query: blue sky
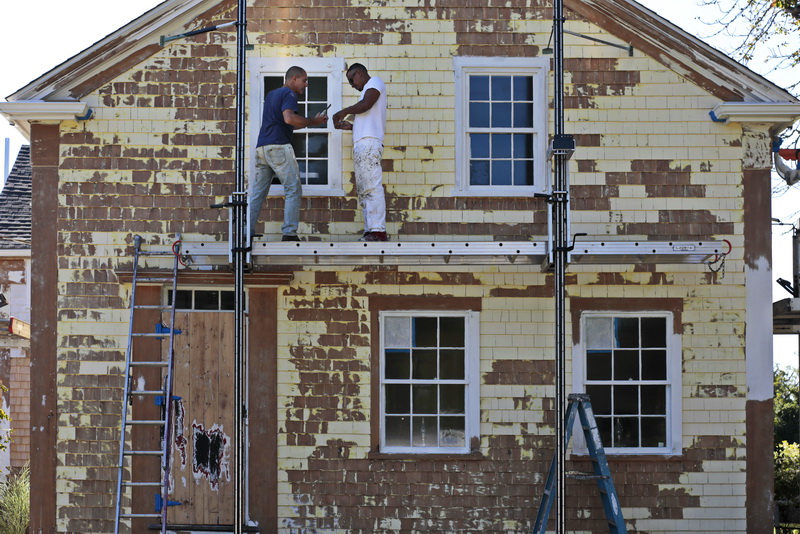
point(40, 34)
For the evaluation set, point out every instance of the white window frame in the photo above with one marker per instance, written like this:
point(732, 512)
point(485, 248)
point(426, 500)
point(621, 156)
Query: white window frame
point(258, 68)
point(536, 67)
point(471, 379)
point(674, 387)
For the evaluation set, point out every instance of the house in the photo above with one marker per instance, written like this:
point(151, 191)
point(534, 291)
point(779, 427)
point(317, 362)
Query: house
point(15, 297)
point(394, 397)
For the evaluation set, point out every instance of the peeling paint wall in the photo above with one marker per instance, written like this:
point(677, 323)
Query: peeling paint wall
point(649, 165)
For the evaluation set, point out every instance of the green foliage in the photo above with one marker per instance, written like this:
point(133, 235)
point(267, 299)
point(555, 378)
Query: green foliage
point(787, 419)
point(15, 499)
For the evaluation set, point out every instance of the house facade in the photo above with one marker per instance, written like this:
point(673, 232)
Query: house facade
point(389, 397)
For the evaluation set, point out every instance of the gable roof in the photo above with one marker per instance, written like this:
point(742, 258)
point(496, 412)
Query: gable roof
point(626, 19)
point(15, 205)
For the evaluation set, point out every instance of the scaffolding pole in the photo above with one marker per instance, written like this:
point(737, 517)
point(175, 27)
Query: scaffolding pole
point(560, 242)
point(239, 240)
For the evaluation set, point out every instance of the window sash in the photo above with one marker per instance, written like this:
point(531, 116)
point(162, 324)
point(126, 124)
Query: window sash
point(330, 68)
point(467, 68)
point(607, 418)
point(466, 415)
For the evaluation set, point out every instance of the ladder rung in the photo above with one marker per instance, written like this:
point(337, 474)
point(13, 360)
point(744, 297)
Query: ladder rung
point(150, 334)
point(585, 476)
point(143, 278)
point(142, 484)
point(144, 453)
point(146, 392)
point(134, 516)
point(152, 307)
point(149, 364)
point(145, 422)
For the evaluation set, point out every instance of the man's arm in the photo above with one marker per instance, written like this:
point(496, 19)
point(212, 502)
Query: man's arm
point(363, 105)
point(297, 121)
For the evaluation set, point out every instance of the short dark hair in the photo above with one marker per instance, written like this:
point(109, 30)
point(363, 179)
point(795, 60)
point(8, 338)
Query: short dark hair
point(294, 72)
point(357, 66)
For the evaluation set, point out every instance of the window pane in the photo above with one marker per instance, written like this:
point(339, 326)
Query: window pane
point(318, 145)
point(398, 398)
point(272, 82)
point(451, 364)
point(626, 332)
point(423, 364)
point(397, 332)
point(425, 331)
point(299, 144)
point(654, 365)
point(317, 172)
point(523, 115)
point(654, 432)
point(501, 172)
point(626, 365)
point(626, 399)
point(183, 300)
point(317, 90)
point(451, 331)
point(501, 88)
point(206, 300)
point(425, 432)
point(398, 431)
point(452, 432)
point(598, 365)
point(626, 432)
point(425, 399)
point(478, 172)
point(654, 400)
point(451, 398)
point(479, 145)
point(397, 364)
point(654, 331)
point(523, 88)
point(227, 300)
point(501, 115)
point(478, 115)
point(600, 397)
point(598, 332)
point(501, 146)
point(523, 172)
point(479, 88)
point(604, 427)
point(523, 146)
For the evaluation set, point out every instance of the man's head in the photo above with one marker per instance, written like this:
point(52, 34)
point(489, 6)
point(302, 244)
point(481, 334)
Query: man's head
point(357, 76)
point(296, 79)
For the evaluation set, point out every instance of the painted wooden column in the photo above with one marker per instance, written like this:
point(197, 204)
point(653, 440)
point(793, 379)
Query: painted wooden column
point(44, 304)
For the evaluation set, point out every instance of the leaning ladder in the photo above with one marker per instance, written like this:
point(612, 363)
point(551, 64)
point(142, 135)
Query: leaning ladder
point(579, 403)
point(125, 482)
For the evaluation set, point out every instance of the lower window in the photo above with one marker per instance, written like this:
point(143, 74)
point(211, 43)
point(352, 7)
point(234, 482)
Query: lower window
point(429, 381)
point(627, 365)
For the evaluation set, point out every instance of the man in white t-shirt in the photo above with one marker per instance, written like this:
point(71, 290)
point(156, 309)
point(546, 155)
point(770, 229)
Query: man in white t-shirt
point(368, 128)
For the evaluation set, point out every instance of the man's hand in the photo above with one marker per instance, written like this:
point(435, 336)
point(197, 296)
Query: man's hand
point(344, 125)
point(320, 118)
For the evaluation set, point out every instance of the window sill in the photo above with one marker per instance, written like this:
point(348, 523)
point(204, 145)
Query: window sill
point(634, 455)
point(490, 191)
point(424, 456)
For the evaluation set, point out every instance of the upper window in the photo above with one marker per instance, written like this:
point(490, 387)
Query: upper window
point(429, 381)
point(318, 148)
point(629, 365)
point(501, 126)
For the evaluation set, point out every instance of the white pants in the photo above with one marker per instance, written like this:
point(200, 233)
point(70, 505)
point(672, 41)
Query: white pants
point(367, 153)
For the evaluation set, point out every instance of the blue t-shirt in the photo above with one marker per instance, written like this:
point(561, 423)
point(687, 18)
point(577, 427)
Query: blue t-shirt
point(274, 130)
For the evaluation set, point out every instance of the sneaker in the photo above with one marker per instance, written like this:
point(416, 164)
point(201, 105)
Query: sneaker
point(375, 236)
point(287, 237)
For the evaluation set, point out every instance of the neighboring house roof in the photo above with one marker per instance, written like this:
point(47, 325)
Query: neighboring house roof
point(15, 205)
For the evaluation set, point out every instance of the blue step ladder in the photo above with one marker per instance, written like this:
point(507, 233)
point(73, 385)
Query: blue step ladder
point(580, 405)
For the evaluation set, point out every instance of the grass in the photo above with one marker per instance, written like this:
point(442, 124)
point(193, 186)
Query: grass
point(15, 494)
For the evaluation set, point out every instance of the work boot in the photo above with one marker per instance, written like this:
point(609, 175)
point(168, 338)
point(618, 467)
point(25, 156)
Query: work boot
point(375, 236)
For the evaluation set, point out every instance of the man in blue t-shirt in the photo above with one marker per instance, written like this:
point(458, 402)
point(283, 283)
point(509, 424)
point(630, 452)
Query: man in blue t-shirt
point(275, 155)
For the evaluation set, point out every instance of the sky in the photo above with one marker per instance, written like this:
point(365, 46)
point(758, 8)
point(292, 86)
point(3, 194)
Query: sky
point(45, 33)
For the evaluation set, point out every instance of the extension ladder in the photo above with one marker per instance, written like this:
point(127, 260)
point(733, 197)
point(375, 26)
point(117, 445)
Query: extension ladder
point(579, 403)
point(137, 388)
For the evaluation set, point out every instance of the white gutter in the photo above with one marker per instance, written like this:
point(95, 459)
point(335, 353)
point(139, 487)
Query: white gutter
point(22, 112)
point(782, 114)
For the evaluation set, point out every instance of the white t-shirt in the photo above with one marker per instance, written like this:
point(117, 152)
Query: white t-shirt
point(372, 122)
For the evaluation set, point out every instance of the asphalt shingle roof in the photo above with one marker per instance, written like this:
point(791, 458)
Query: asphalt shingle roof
point(15, 204)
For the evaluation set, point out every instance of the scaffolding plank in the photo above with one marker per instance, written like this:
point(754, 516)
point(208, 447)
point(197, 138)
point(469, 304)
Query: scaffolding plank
point(455, 252)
